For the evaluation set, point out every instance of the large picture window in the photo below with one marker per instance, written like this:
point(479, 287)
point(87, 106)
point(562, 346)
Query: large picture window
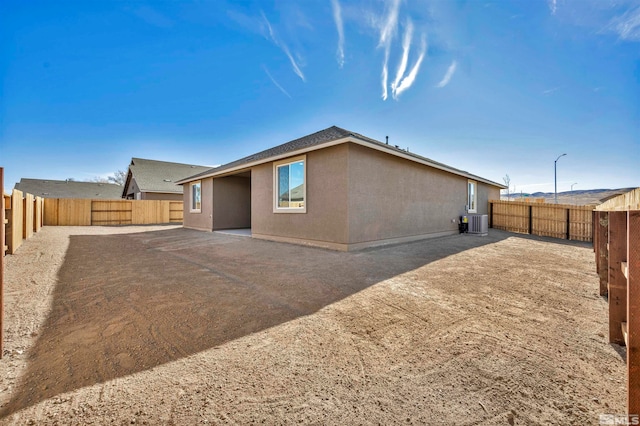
point(472, 196)
point(290, 185)
point(196, 197)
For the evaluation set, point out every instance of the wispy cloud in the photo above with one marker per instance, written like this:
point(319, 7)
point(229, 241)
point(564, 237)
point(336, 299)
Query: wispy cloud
point(387, 32)
point(447, 77)
point(337, 17)
point(406, 47)
point(411, 77)
point(273, 37)
point(273, 80)
point(550, 91)
point(153, 17)
point(627, 25)
point(553, 6)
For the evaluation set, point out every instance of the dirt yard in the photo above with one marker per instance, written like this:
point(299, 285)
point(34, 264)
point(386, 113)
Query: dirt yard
point(162, 325)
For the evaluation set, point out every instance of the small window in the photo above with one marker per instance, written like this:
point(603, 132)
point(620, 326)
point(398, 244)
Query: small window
point(472, 196)
point(290, 186)
point(196, 197)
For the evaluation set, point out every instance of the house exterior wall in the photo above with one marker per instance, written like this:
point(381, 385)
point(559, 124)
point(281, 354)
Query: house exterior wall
point(231, 202)
point(132, 189)
point(134, 193)
point(204, 219)
point(325, 222)
point(359, 197)
point(486, 193)
point(394, 198)
point(162, 196)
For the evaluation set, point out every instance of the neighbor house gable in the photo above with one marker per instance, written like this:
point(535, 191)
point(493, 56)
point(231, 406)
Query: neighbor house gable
point(153, 176)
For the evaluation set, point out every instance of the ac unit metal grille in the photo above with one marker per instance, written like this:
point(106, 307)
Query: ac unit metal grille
point(479, 224)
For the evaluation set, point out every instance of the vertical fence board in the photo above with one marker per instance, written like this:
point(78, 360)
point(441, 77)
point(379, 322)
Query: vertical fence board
point(175, 211)
point(111, 212)
point(50, 213)
point(140, 212)
point(74, 212)
point(633, 312)
point(15, 221)
point(145, 212)
point(165, 211)
point(617, 287)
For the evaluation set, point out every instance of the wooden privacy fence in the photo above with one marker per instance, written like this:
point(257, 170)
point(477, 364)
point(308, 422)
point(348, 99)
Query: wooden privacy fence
point(616, 244)
point(20, 217)
point(86, 212)
point(548, 220)
point(23, 217)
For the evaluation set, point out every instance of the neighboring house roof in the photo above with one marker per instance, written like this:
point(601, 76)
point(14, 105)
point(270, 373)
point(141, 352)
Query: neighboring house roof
point(297, 193)
point(322, 139)
point(69, 189)
point(158, 176)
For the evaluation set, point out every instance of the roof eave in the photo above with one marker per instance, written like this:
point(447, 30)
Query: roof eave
point(354, 139)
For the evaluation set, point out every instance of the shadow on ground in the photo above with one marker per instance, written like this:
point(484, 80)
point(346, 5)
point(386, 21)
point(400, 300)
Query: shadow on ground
point(127, 303)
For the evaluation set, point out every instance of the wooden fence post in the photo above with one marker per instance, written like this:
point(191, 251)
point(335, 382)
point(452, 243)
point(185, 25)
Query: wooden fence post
point(490, 214)
point(633, 312)
point(594, 233)
point(2, 239)
point(617, 288)
point(601, 251)
point(530, 219)
point(37, 214)
point(27, 216)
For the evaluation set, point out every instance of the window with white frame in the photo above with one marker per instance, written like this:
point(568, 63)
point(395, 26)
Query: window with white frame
point(472, 196)
point(196, 197)
point(290, 186)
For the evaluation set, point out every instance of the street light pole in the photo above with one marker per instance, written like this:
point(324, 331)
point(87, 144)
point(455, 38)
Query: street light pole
point(555, 177)
point(573, 184)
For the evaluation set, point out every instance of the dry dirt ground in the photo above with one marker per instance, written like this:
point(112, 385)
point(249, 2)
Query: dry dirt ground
point(163, 325)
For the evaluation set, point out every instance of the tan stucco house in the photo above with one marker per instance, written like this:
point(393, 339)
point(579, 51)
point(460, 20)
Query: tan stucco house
point(335, 189)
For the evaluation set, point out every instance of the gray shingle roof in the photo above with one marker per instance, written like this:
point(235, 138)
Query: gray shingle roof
point(330, 134)
point(159, 176)
point(69, 189)
point(326, 135)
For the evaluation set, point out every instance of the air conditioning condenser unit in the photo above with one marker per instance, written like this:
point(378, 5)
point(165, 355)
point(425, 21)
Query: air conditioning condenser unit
point(478, 224)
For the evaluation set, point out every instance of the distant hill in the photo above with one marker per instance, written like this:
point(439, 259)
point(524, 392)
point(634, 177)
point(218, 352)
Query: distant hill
point(577, 197)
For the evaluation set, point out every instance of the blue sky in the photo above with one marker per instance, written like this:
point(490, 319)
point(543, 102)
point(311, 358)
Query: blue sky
point(491, 87)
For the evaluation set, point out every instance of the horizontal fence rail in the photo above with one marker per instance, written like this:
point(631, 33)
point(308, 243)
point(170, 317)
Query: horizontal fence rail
point(87, 212)
point(548, 220)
